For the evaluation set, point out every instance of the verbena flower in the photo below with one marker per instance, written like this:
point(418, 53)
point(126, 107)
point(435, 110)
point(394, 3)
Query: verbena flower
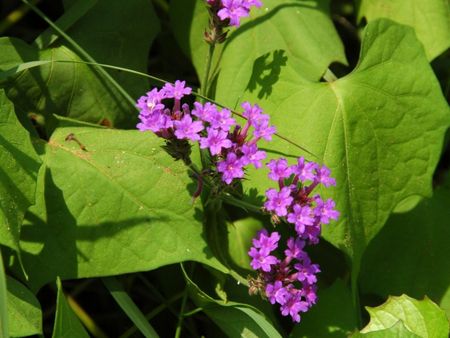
point(286, 275)
point(232, 146)
point(230, 12)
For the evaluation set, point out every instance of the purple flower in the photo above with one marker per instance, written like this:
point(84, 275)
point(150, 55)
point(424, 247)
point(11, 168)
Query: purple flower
point(156, 122)
point(252, 155)
point(204, 112)
point(309, 293)
point(323, 176)
point(151, 102)
point(253, 113)
point(305, 171)
point(293, 306)
point(262, 260)
point(278, 201)
point(325, 210)
point(249, 3)
point(186, 129)
point(266, 243)
point(215, 141)
point(312, 232)
point(263, 130)
point(233, 10)
point(301, 216)
point(307, 272)
point(222, 119)
point(295, 249)
point(176, 91)
point(230, 168)
point(276, 293)
point(279, 169)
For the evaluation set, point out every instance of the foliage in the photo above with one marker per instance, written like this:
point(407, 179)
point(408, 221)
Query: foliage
point(359, 87)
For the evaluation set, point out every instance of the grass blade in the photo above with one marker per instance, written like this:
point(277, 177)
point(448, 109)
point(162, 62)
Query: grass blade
point(129, 307)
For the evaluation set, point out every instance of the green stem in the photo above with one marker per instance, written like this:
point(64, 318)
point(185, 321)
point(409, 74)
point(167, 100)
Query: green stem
point(209, 57)
point(183, 306)
point(329, 76)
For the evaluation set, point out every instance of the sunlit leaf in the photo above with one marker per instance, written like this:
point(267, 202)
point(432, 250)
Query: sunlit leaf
point(110, 204)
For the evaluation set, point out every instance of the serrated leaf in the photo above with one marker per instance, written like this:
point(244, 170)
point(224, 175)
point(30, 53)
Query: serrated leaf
point(292, 27)
point(413, 247)
point(332, 316)
point(430, 19)
point(235, 319)
point(24, 310)
point(380, 130)
point(19, 165)
point(121, 205)
point(423, 318)
point(66, 322)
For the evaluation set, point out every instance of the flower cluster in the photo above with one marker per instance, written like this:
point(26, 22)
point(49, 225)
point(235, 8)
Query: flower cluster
point(231, 11)
point(291, 281)
point(231, 146)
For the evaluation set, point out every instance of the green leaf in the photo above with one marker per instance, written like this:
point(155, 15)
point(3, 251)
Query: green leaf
point(279, 30)
point(398, 330)
point(71, 89)
point(380, 130)
point(240, 235)
point(423, 318)
point(66, 322)
point(413, 247)
point(235, 319)
point(4, 327)
point(127, 28)
point(121, 205)
point(24, 310)
point(129, 307)
point(19, 165)
point(332, 316)
point(430, 19)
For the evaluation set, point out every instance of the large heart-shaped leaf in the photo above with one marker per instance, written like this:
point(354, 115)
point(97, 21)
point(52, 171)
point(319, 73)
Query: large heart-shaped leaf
point(430, 19)
point(19, 165)
point(121, 205)
point(380, 129)
point(278, 30)
point(413, 247)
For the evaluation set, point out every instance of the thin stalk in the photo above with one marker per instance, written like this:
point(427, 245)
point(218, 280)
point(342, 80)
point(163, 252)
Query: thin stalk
point(154, 313)
point(209, 58)
point(81, 51)
point(329, 76)
point(181, 314)
point(84, 317)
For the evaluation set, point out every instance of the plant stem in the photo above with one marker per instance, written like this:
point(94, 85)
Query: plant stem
point(84, 317)
point(329, 76)
point(209, 57)
point(183, 306)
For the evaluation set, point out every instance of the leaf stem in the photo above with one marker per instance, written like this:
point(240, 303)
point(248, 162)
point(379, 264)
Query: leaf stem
point(209, 57)
point(329, 76)
point(84, 317)
point(183, 306)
